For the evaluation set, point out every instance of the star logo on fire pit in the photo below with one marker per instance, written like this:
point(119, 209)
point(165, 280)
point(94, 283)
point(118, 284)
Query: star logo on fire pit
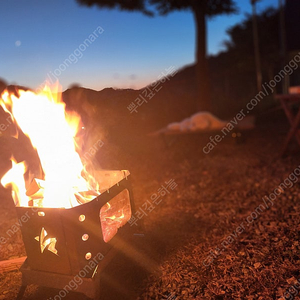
point(46, 242)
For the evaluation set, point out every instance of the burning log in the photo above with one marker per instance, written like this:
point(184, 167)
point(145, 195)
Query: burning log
point(35, 192)
point(35, 188)
point(85, 197)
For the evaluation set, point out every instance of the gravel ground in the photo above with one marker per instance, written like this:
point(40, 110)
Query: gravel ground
point(211, 237)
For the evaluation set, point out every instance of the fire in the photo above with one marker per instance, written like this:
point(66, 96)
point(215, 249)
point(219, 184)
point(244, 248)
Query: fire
point(114, 214)
point(43, 118)
point(15, 177)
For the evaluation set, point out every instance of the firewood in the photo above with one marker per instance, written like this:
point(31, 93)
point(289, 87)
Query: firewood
point(11, 264)
point(86, 196)
point(35, 189)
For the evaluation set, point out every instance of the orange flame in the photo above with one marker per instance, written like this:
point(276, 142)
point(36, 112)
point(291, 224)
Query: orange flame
point(42, 117)
point(114, 214)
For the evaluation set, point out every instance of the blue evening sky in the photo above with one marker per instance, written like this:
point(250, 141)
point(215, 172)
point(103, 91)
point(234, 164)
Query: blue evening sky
point(37, 36)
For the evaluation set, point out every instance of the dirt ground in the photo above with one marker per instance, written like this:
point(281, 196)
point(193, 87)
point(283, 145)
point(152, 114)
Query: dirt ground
point(214, 236)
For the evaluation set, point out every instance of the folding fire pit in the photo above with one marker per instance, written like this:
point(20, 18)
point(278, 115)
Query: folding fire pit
point(72, 217)
point(68, 248)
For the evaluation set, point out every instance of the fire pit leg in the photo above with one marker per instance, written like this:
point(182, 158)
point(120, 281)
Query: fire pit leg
point(97, 286)
point(90, 287)
point(21, 292)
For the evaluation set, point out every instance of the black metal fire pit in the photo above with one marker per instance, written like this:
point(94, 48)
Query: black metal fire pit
point(64, 246)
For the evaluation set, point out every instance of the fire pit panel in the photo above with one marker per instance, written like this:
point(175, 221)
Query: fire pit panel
point(41, 235)
point(64, 241)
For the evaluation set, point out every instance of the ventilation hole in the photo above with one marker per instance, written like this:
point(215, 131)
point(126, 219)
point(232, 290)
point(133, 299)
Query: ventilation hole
point(41, 214)
point(81, 218)
point(85, 237)
point(88, 256)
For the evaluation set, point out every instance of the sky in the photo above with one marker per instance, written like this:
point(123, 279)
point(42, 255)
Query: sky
point(60, 40)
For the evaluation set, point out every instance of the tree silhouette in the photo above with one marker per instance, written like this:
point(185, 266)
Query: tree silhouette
point(233, 70)
point(200, 8)
point(241, 45)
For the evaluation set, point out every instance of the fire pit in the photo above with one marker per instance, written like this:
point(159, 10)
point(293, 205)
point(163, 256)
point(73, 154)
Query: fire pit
point(73, 222)
point(64, 243)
